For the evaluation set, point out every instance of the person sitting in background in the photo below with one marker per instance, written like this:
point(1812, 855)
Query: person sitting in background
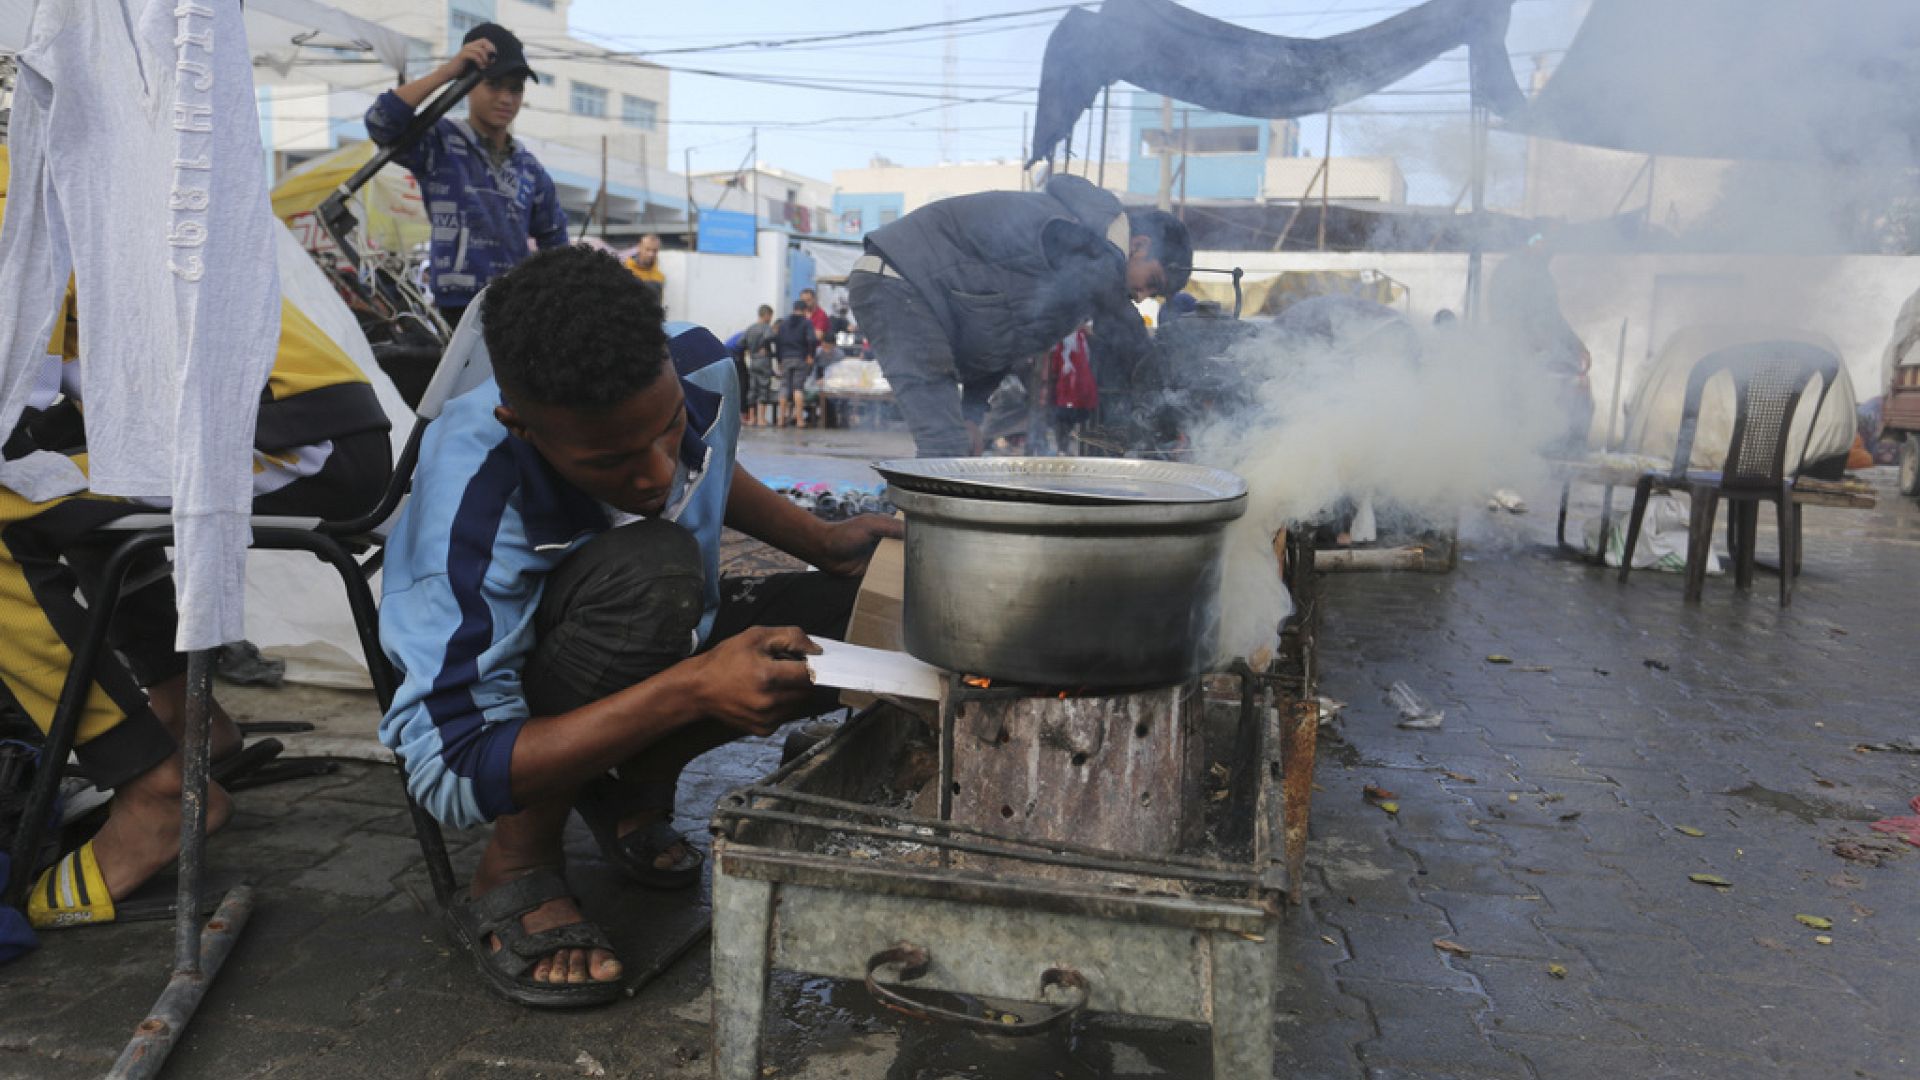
point(321, 449)
point(794, 345)
point(554, 607)
point(486, 192)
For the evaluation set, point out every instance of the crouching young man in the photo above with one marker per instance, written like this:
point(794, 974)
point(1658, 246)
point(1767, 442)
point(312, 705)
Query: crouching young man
point(554, 604)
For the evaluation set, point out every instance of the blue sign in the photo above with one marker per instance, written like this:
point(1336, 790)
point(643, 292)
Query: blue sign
point(727, 232)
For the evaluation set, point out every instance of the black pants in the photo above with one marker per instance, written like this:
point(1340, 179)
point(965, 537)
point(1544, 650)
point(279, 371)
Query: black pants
point(50, 558)
point(627, 606)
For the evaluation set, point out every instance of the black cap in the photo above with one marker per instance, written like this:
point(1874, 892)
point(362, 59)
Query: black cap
point(509, 57)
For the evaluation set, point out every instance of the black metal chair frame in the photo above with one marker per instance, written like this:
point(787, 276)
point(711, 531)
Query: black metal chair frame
point(1771, 377)
point(197, 959)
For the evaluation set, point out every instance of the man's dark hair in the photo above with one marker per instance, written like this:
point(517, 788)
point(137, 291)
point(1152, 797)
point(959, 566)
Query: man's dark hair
point(570, 326)
point(766, 309)
point(1170, 244)
point(799, 307)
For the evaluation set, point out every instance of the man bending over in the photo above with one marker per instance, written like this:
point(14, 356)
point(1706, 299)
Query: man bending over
point(554, 604)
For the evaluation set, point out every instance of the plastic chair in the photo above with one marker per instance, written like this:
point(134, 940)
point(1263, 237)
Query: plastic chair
point(1769, 379)
point(353, 548)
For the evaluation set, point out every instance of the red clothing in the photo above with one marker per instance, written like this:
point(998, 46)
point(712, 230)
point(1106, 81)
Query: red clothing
point(818, 316)
point(1071, 369)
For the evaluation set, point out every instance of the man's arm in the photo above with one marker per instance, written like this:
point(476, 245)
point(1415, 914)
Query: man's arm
point(842, 548)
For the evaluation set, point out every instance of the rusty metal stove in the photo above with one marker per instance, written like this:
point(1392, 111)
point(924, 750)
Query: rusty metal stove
point(1124, 853)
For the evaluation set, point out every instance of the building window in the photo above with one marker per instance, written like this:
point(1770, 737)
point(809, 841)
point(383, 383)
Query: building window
point(638, 112)
point(548, 4)
point(589, 100)
point(1202, 140)
point(458, 23)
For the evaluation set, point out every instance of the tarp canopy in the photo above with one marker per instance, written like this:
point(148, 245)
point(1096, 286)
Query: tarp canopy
point(1160, 46)
point(276, 29)
point(391, 210)
point(1758, 79)
point(1659, 401)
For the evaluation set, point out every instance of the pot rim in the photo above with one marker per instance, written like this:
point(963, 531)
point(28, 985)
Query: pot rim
point(1064, 516)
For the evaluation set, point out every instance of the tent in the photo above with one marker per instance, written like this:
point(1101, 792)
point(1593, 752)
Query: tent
point(1752, 79)
point(1160, 46)
point(1653, 414)
point(393, 214)
point(276, 31)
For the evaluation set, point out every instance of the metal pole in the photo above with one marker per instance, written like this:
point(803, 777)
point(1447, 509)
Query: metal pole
point(194, 755)
point(603, 187)
point(1326, 182)
point(1165, 200)
point(1478, 128)
point(1106, 102)
point(1026, 153)
point(692, 238)
point(754, 160)
point(1186, 117)
point(146, 1053)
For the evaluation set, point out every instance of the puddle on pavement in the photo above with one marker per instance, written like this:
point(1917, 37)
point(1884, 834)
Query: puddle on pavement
point(1809, 809)
point(811, 1019)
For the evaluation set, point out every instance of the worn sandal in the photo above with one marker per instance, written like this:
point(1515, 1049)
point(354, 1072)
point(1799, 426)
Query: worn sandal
point(601, 807)
point(508, 969)
point(71, 893)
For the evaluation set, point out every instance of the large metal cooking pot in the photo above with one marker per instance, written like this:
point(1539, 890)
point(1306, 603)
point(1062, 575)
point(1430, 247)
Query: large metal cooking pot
point(1064, 595)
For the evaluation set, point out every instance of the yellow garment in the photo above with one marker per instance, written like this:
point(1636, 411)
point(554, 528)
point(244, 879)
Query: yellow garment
point(651, 274)
point(71, 893)
point(394, 215)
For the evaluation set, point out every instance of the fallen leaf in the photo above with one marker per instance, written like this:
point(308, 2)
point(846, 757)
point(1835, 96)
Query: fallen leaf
point(1714, 880)
point(1816, 922)
point(1688, 830)
point(1329, 940)
point(1374, 791)
point(1558, 971)
point(1453, 947)
point(1389, 807)
point(1822, 939)
point(1462, 777)
point(1496, 658)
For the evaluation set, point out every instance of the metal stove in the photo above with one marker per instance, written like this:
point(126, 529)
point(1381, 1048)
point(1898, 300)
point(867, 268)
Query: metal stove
point(999, 848)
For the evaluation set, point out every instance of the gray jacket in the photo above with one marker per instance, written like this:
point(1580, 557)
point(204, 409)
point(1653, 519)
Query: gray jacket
point(1007, 274)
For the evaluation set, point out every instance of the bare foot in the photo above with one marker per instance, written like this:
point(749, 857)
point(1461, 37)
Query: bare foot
point(142, 833)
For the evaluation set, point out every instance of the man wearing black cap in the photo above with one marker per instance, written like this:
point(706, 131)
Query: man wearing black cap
point(484, 191)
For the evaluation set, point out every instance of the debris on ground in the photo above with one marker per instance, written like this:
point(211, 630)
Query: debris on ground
point(1508, 500)
point(1906, 828)
point(1656, 665)
point(1374, 793)
point(1909, 745)
point(1714, 880)
point(1415, 714)
point(585, 1065)
point(1496, 658)
point(1822, 939)
point(1688, 830)
point(1330, 709)
point(1453, 947)
point(1865, 850)
point(1814, 922)
point(1462, 777)
point(1558, 971)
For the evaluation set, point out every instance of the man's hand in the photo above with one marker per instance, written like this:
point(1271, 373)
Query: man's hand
point(846, 546)
point(478, 53)
point(757, 679)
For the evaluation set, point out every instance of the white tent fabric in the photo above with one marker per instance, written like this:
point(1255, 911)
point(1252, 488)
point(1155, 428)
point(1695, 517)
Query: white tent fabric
point(1653, 414)
point(272, 26)
point(1903, 348)
point(295, 608)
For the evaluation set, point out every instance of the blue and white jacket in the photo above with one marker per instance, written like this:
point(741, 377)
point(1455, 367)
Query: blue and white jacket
point(482, 215)
point(469, 557)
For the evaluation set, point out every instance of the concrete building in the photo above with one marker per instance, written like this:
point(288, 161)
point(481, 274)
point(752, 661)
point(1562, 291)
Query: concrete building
point(797, 204)
point(1211, 155)
point(865, 199)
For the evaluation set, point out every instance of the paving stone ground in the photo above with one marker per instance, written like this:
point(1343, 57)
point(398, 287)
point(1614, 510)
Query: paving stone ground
point(1538, 831)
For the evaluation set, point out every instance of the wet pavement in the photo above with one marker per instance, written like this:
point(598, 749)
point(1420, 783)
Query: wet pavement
point(1549, 833)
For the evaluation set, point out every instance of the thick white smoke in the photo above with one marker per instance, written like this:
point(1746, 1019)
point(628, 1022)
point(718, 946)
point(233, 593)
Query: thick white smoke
point(1425, 431)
